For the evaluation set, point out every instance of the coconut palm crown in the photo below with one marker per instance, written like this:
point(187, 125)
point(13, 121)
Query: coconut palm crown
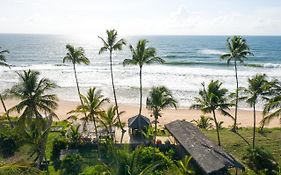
point(32, 93)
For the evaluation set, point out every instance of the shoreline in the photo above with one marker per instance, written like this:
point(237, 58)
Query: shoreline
point(245, 117)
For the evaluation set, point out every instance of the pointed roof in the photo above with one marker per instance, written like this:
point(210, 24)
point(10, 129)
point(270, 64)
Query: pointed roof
point(138, 122)
point(211, 158)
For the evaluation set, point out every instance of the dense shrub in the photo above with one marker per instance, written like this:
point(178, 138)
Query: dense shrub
point(58, 145)
point(150, 155)
point(9, 141)
point(71, 164)
point(259, 159)
point(96, 170)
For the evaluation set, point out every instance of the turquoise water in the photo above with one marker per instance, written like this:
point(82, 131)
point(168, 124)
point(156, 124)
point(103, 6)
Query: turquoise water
point(190, 60)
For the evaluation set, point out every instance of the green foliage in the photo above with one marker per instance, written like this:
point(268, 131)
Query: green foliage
point(96, 170)
point(58, 145)
point(8, 145)
point(71, 164)
point(203, 122)
point(260, 159)
point(74, 136)
point(19, 169)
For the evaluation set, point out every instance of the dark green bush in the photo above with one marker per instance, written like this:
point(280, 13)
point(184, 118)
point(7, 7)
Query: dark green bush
point(96, 170)
point(71, 164)
point(58, 145)
point(9, 141)
point(259, 159)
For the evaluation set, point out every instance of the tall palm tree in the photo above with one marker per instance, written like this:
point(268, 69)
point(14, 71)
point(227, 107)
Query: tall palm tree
point(3, 63)
point(92, 106)
point(257, 87)
point(112, 44)
point(76, 56)
point(32, 93)
point(211, 99)
point(109, 119)
point(158, 99)
point(142, 55)
point(238, 51)
point(273, 103)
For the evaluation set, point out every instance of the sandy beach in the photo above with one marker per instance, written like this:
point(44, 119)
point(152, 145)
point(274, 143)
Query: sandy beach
point(245, 117)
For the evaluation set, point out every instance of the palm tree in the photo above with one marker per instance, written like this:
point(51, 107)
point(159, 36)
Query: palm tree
point(111, 44)
point(37, 135)
point(92, 106)
point(76, 56)
point(142, 55)
point(31, 91)
point(19, 168)
point(158, 99)
point(257, 87)
point(3, 63)
point(109, 119)
point(211, 99)
point(238, 52)
point(273, 103)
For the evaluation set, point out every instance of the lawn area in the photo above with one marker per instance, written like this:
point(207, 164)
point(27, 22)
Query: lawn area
point(270, 140)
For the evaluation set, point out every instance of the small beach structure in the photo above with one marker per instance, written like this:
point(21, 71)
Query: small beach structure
point(210, 158)
point(138, 122)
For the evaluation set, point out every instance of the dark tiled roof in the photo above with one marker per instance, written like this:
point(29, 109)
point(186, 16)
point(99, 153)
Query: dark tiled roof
point(138, 122)
point(210, 157)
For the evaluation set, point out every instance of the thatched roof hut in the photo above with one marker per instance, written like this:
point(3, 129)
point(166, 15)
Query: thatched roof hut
point(138, 122)
point(211, 158)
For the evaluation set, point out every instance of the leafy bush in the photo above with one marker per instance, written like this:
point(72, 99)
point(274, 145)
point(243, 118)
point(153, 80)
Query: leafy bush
point(96, 170)
point(259, 159)
point(58, 145)
point(71, 164)
point(9, 141)
point(150, 155)
point(203, 122)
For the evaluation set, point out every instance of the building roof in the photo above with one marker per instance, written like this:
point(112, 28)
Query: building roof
point(208, 156)
point(138, 122)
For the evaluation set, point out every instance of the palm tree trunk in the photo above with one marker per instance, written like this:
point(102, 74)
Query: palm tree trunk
point(114, 94)
point(140, 90)
point(155, 130)
point(77, 84)
point(236, 100)
point(254, 129)
point(5, 109)
point(79, 93)
point(97, 136)
point(217, 127)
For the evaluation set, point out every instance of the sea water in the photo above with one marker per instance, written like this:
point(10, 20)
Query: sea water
point(189, 61)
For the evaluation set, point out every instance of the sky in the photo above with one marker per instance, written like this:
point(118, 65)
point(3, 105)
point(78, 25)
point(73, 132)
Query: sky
point(142, 17)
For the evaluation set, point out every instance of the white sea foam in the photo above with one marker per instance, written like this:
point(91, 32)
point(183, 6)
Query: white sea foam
point(211, 52)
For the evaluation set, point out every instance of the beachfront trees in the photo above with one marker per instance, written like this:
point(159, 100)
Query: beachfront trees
point(3, 63)
point(158, 99)
point(142, 55)
point(112, 44)
point(238, 50)
point(92, 106)
point(257, 87)
point(212, 98)
point(273, 103)
point(76, 56)
point(32, 93)
point(109, 120)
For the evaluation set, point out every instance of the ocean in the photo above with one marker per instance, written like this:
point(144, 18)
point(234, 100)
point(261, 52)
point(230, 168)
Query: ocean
point(190, 60)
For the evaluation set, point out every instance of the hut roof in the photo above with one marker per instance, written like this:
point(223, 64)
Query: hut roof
point(209, 157)
point(138, 122)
